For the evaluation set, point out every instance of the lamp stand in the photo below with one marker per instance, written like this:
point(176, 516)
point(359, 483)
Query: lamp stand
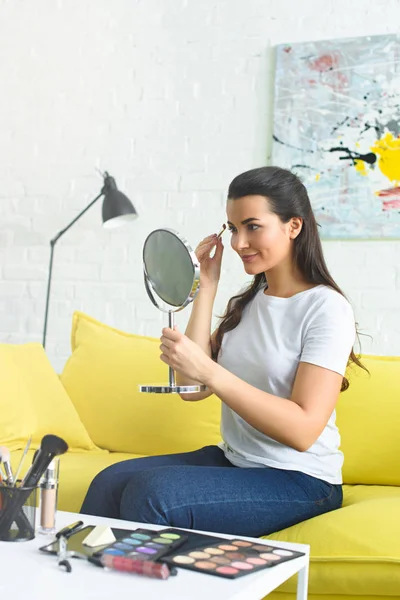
point(52, 244)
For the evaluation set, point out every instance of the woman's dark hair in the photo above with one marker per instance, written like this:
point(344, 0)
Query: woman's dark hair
point(287, 198)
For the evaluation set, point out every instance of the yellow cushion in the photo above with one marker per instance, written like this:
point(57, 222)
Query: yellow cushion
point(368, 417)
point(102, 377)
point(51, 409)
point(17, 417)
point(355, 548)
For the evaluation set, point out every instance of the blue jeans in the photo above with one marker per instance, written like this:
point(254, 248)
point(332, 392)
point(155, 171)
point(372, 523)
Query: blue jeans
point(203, 490)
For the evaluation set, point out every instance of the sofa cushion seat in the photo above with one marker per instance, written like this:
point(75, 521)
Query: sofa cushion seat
point(355, 548)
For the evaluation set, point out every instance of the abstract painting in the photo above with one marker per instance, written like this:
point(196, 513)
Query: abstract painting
point(337, 126)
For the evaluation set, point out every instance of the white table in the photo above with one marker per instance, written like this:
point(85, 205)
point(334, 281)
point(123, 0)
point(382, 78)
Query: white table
point(28, 573)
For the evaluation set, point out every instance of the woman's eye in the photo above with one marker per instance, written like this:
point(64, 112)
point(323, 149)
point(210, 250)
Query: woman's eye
point(250, 227)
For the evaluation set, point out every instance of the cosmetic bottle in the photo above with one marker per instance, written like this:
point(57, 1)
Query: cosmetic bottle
point(48, 495)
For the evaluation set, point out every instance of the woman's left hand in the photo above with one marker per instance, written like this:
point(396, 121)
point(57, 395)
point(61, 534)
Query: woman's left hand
point(183, 355)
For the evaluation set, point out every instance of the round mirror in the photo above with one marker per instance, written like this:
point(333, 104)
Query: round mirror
point(171, 268)
point(172, 273)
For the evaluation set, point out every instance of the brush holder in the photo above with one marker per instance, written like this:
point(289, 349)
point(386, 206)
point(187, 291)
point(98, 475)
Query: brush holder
point(17, 513)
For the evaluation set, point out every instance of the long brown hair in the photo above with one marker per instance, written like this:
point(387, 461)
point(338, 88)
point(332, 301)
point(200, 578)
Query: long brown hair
point(287, 198)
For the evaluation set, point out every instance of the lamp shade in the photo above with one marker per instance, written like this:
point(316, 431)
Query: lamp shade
point(117, 208)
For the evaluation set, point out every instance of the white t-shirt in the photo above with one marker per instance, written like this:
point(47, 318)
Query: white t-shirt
point(275, 334)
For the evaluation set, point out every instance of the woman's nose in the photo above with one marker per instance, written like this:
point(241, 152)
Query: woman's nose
point(240, 241)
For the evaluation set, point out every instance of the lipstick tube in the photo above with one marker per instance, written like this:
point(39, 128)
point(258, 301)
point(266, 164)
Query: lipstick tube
point(48, 496)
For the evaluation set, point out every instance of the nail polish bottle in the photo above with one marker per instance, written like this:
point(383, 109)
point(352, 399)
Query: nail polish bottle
point(48, 495)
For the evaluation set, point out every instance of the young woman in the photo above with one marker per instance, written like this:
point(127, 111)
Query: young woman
point(277, 362)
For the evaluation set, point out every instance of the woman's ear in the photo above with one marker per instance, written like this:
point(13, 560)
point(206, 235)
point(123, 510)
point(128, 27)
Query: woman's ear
point(295, 226)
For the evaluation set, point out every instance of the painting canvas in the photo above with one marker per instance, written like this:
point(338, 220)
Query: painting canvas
point(337, 126)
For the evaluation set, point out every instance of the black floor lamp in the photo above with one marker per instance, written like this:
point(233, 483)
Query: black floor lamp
point(117, 210)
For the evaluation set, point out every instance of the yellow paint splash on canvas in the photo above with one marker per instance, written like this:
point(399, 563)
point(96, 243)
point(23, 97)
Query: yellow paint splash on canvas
point(388, 150)
point(360, 167)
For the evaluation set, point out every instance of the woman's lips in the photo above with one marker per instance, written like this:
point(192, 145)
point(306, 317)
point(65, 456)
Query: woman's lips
point(248, 258)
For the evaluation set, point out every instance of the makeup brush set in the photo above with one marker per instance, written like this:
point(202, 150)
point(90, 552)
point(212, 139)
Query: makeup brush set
point(18, 497)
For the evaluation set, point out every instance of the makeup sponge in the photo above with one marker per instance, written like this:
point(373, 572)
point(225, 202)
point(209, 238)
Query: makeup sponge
point(101, 535)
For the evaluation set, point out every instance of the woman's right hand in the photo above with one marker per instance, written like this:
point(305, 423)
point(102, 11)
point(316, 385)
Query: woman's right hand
point(210, 268)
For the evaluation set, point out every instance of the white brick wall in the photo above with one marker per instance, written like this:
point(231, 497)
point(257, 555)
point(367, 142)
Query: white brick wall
point(173, 98)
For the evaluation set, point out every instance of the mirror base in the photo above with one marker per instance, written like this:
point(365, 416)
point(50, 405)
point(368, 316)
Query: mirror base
point(172, 389)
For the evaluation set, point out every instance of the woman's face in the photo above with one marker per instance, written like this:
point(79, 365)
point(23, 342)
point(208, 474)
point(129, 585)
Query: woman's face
point(258, 235)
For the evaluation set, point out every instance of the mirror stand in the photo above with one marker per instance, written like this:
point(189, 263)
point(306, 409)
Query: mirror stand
point(171, 387)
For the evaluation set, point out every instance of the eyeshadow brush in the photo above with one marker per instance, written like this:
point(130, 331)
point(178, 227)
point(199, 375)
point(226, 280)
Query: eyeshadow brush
point(5, 459)
point(28, 443)
point(221, 231)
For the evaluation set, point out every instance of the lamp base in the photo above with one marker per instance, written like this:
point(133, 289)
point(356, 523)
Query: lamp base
point(172, 389)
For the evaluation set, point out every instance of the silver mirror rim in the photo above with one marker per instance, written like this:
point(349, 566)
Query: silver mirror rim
point(196, 272)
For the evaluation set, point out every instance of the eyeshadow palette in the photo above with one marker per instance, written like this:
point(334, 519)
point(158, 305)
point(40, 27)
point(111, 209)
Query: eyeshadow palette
point(231, 558)
point(145, 544)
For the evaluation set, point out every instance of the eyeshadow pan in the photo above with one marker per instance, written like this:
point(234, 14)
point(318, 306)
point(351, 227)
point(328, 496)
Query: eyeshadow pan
point(283, 552)
point(183, 560)
point(215, 551)
point(220, 560)
point(199, 554)
point(260, 548)
point(170, 536)
point(205, 564)
point(269, 556)
point(241, 543)
point(227, 570)
point(113, 551)
point(140, 536)
point(235, 555)
point(122, 546)
point(161, 540)
point(146, 550)
point(242, 566)
point(254, 560)
point(227, 547)
point(131, 542)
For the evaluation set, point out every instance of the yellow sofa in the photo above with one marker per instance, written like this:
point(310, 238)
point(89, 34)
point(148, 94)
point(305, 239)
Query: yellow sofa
point(96, 407)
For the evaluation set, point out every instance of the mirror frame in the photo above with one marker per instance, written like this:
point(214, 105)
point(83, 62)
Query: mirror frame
point(196, 273)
